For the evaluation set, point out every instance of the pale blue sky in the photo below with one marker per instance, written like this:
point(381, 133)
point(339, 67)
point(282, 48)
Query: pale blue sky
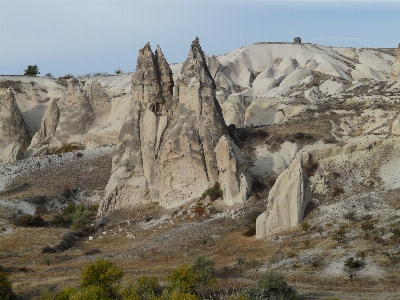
point(79, 37)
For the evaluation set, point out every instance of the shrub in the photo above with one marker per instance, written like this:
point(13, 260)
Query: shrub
point(6, 291)
point(49, 75)
point(251, 231)
point(352, 263)
point(305, 226)
point(118, 71)
point(340, 234)
point(273, 285)
point(182, 280)
point(48, 249)
point(65, 294)
point(350, 216)
point(204, 271)
point(79, 216)
point(101, 276)
point(92, 292)
point(191, 279)
point(214, 192)
point(30, 221)
point(31, 70)
point(144, 288)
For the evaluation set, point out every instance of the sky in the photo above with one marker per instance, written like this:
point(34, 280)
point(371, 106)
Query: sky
point(79, 37)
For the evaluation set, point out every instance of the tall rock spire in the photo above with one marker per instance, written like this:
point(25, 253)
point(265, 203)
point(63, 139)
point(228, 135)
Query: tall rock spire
point(152, 83)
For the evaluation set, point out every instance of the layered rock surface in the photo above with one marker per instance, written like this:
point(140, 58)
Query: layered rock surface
point(287, 200)
point(14, 137)
point(166, 147)
point(395, 74)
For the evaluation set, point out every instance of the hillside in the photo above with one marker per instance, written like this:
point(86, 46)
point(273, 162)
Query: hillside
point(303, 140)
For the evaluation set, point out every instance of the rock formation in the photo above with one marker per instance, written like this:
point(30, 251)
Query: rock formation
point(47, 128)
point(395, 74)
point(232, 168)
point(14, 136)
point(76, 116)
point(287, 200)
point(166, 150)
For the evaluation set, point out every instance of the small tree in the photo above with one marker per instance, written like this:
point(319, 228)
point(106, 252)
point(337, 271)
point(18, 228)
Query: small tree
point(118, 71)
point(352, 267)
point(101, 274)
point(273, 285)
point(31, 71)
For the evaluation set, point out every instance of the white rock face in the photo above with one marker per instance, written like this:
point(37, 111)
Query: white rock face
point(14, 136)
point(287, 201)
point(232, 169)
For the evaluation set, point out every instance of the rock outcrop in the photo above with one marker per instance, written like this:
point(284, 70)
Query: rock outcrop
point(287, 200)
point(14, 137)
point(47, 128)
point(395, 74)
point(232, 171)
point(166, 150)
point(76, 116)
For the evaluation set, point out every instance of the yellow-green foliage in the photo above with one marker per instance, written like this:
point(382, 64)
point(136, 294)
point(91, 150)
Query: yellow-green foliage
point(6, 291)
point(144, 288)
point(92, 292)
point(214, 192)
point(102, 274)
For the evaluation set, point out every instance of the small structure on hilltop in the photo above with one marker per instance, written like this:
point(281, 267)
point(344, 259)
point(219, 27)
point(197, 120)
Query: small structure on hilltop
point(297, 40)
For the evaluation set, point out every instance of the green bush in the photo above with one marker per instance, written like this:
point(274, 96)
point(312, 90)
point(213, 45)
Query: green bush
point(102, 275)
point(145, 288)
point(192, 279)
point(6, 291)
point(339, 235)
point(31, 71)
point(273, 285)
point(305, 226)
point(214, 192)
point(352, 263)
point(92, 292)
point(65, 294)
point(78, 216)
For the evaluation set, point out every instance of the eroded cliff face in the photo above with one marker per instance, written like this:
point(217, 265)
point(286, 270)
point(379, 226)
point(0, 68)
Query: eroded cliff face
point(14, 136)
point(395, 74)
point(287, 200)
point(166, 147)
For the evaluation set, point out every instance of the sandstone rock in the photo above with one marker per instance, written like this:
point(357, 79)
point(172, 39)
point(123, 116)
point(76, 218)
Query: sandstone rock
point(232, 169)
point(165, 150)
point(14, 136)
point(76, 116)
point(395, 74)
point(287, 200)
point(187, 159)
point(48, 126)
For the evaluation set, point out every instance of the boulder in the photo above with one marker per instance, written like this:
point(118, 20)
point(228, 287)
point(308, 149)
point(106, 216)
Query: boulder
point(287, 200)
point(14, 137)
point(395, 74)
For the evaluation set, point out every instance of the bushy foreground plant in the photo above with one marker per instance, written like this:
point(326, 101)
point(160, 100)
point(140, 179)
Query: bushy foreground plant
point(101, 281)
